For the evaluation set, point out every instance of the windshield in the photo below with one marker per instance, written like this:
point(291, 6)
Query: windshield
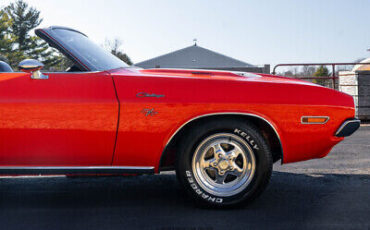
point(91, 55)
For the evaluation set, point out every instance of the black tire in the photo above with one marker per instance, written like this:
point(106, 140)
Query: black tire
point(233, 128)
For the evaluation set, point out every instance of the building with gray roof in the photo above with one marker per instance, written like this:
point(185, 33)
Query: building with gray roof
point(196, 57)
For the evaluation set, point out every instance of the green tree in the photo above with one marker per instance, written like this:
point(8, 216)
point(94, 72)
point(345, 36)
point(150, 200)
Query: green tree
point(322, 71)
point(6, 38)
point(113, 46)
point(123, 57)
point(24, 19)
point(5, 23)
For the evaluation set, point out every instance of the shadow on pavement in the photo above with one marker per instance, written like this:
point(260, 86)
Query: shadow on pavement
point(157, 202)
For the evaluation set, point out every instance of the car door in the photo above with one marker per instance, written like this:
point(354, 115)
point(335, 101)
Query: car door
point(69, 119)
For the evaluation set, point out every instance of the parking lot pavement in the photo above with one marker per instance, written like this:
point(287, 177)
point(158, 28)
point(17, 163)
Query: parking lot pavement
point(329, 193)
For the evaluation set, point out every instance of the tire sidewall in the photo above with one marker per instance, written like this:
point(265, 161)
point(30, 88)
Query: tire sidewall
point(250, 137)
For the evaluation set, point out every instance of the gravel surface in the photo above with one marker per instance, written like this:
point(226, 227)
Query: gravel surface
point(329, 193)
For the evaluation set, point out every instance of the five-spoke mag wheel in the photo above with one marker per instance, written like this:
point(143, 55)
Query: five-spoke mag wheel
point(223, 164)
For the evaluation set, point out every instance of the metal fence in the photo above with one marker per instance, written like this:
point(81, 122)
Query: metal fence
point(328, 81)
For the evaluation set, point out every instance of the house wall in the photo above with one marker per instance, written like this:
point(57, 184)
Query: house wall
point(357, 84)
point(364, 95)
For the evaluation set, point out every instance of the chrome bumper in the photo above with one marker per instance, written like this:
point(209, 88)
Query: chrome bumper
point(348, 127)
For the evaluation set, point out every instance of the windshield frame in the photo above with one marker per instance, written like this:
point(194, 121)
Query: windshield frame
point(51, 37)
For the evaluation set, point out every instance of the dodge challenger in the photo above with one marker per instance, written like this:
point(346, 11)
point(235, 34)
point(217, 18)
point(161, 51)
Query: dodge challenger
point(221, 131)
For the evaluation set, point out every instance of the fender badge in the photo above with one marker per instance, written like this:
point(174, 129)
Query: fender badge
point(149, 112)
point(143, 94)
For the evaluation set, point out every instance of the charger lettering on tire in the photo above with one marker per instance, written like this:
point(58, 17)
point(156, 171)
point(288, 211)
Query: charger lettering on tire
point(195, 187)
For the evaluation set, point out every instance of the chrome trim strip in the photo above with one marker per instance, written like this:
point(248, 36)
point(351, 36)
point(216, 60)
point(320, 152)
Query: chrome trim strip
point(77, 72)
point(206, 71)
point(226, 113)
point(74, 169)
point(314, 123)
point(346, 123)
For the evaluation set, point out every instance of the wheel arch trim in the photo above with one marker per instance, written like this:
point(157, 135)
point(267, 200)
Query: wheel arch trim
point(271, 124)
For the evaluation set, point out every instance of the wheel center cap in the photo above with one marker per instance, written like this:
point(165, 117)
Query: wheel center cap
point(223, 164)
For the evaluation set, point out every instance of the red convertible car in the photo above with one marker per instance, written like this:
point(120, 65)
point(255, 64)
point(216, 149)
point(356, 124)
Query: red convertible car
point(220, 130)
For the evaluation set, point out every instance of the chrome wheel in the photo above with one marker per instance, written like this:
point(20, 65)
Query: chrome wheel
point(224, 164)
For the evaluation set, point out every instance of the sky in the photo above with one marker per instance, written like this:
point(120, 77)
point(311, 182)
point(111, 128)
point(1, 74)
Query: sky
point(254, 31)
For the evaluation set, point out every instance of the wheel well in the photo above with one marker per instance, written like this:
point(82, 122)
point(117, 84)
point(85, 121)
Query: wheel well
point(167, 161)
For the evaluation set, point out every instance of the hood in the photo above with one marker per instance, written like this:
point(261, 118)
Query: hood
point(223, 75)
point(240, 86)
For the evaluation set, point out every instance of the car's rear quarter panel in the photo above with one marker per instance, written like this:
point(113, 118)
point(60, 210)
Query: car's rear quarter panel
point(141, 138)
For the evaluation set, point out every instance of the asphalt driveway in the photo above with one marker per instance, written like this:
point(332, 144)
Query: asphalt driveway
point(329, 193)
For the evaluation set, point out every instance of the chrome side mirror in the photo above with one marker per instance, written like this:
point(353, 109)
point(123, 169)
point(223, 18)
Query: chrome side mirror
point(32, 66)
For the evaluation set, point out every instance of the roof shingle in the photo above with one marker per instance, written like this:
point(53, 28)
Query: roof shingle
point(193, 57)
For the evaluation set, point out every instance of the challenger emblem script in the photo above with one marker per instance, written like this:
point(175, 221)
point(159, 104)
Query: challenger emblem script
point(143, 94)
point(149, 112)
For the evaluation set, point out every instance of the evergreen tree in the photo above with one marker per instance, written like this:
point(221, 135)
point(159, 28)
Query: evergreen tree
point(5, 40)
point(7, 53)
point(24, 20)
point(113, 46)
point(322, 71)
point(122, 56)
